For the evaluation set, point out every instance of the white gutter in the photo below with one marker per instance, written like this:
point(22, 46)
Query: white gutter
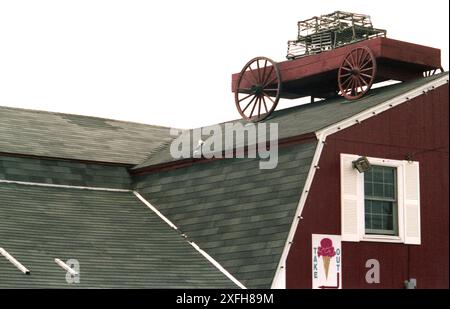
point(15, 262)
point(279, 281)
point(48, 185)
point(196, 247)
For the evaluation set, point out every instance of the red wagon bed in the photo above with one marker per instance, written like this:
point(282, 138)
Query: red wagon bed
point(328, 73)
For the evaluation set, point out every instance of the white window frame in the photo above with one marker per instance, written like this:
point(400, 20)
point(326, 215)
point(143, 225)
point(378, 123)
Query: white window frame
point(399, 166)
point(353, 208)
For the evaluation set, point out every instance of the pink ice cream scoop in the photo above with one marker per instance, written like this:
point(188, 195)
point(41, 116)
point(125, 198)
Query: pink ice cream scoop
point(326, 248)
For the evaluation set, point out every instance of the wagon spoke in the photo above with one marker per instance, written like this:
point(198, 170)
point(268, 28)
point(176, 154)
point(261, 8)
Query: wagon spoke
point(269, 82)
point(270, 89)
point(366, 69)
point(363, 80)
point(259, 106)
point(245, 97)
point(259, 72)
point(353, 60)
point(366, 63)
point(351, 85)
point(248, 104)
point(254, 105)
point(248, 81)
point(347, 80)
point(357, 58)
point(266, 95)
point(265, 105)
point(346, 60)
point(264, 71)
point(268, 75)
point(253, 75)
point(366, 75)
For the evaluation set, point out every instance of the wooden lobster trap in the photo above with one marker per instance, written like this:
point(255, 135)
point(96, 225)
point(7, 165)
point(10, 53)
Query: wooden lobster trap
point(336, 54)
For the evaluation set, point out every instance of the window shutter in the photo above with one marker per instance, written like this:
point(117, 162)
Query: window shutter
point(350, 199)
point(412, 203)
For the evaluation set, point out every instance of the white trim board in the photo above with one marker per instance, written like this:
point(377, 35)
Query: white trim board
point(321, 135)
point(280, 273)
point(382, 107)
point(49, 185)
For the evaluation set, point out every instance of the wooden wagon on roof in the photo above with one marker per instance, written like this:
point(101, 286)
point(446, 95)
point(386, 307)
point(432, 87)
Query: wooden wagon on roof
point(335, 54)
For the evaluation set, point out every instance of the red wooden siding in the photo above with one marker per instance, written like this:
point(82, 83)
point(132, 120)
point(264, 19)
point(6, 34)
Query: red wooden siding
point(419, 127)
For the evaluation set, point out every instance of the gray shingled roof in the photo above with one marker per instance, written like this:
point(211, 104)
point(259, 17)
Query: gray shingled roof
point(309, 118)
point(238, 213)
point(118, 241)
point(67, 136)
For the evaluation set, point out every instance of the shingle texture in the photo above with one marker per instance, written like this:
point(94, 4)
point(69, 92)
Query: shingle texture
point(118, 241)
point(63, 172)
point(238, 213)
point(309, 118)
point(67, 136)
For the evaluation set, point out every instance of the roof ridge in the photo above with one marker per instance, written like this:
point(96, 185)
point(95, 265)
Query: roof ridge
point(79, 115)
point(162, 146)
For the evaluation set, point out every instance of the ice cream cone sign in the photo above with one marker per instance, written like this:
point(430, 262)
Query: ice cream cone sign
point(327, 261)
point(326, 251)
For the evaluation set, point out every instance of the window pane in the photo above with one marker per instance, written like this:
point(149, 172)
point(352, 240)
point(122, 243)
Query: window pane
point(380, 190)
point(377, 207)
point(376, 222)
point(378, 174)
point(368, 189)
point(387, 208)
point(368, 221)
point(388, 223)
point(389, 191)
point(368, 206)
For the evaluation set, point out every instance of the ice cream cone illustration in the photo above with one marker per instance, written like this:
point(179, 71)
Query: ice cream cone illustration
point(326, 250)
point(326, 264)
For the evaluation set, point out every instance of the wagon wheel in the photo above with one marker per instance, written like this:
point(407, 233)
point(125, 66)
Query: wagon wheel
point(433, 72)
point(258, 89)
point(357, 73)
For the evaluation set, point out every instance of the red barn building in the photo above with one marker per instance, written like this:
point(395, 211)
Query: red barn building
point(408, 135)
point(91, 189)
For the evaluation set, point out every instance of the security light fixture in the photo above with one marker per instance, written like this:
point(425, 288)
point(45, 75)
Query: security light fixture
point(361, 164)
point(15, 262)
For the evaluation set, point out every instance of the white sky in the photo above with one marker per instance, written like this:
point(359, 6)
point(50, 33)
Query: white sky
point(168, 62)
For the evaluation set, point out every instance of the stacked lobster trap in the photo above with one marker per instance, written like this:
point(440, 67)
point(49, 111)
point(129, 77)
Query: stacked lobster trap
point(327, 32)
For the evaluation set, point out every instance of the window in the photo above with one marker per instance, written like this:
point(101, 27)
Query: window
point(380, 200)
point(381, 204)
